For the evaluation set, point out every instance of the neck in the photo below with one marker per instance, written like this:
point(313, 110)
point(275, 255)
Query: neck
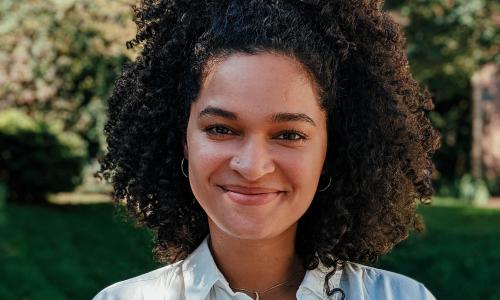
point(256, 265)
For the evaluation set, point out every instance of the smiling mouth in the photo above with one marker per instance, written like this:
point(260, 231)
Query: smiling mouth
point(250, 196)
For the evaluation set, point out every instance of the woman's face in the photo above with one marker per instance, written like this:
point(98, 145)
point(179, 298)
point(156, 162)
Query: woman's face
point(256, 142)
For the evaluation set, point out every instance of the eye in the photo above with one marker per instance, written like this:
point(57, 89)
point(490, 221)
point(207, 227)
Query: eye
point(292, 135)
point(218, 130)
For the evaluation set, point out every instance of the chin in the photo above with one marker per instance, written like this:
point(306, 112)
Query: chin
point(248, 231)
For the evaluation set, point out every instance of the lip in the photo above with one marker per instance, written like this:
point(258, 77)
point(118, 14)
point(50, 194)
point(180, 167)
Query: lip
point(250, 196)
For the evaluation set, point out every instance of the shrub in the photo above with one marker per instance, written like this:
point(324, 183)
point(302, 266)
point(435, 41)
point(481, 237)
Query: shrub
point(37, 158)
point(60, 59)
point(468, 190)
point(473, 191)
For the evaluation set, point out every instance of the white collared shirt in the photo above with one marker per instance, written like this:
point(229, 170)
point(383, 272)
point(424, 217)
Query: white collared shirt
point(197, 277)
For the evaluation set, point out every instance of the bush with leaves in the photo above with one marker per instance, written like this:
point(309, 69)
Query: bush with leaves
point(37, 158)
point(59, 59)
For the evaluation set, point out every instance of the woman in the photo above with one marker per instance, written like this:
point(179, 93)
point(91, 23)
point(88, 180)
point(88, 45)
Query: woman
point(274, 147)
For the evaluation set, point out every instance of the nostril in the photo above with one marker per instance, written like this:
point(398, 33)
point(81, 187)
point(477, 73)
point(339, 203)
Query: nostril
point(252, 166)
point(236, 162)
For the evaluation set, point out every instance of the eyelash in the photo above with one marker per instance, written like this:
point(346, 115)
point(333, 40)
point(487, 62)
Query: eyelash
point(301, 136)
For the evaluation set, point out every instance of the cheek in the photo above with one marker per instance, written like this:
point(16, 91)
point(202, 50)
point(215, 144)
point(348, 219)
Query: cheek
point(302, 175)
point(303, 169)
point(204, 160)
point(205, 157)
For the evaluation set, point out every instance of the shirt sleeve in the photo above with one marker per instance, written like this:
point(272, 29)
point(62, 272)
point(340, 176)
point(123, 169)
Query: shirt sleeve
point(368, 283)
point(425, 293)
point(103, 295)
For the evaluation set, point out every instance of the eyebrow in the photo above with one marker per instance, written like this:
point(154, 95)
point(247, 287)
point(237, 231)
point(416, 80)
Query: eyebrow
point(287, 117)
point(275, 118)
point(217, 112)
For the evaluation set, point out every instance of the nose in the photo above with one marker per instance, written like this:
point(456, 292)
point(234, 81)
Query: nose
point(253, 159)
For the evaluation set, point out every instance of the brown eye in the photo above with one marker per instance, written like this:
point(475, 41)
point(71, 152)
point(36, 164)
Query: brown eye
point(218, 130)
point(292, 135)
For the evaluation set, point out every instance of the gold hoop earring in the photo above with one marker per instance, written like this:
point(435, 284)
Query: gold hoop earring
point(182, 169)
point(329, 183)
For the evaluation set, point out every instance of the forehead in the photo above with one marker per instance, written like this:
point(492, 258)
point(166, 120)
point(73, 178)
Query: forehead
point(258, 84)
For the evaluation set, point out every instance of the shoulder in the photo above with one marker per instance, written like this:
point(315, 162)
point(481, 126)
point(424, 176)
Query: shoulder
point(372, 283)
point(146, 286)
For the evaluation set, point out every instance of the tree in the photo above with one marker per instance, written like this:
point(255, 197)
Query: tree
point(448, 40)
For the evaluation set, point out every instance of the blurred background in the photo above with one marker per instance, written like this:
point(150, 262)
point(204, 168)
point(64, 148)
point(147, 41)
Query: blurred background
point(61, 237)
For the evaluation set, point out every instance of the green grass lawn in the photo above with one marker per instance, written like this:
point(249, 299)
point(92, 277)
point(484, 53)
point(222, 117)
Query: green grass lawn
point(67, 252)
point(458, 257)
point(73, 251)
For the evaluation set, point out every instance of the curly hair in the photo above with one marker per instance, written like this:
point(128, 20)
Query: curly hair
point(379, 138)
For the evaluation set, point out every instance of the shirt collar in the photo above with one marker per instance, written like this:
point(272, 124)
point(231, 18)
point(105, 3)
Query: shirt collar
point(314, 280)
point(201, 273)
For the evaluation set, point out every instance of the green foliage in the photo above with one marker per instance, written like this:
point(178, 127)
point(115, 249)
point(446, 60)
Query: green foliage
point(447, 42)
point(58, 59)
point(473, 191)
point(466, 189)
point(37, 158)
